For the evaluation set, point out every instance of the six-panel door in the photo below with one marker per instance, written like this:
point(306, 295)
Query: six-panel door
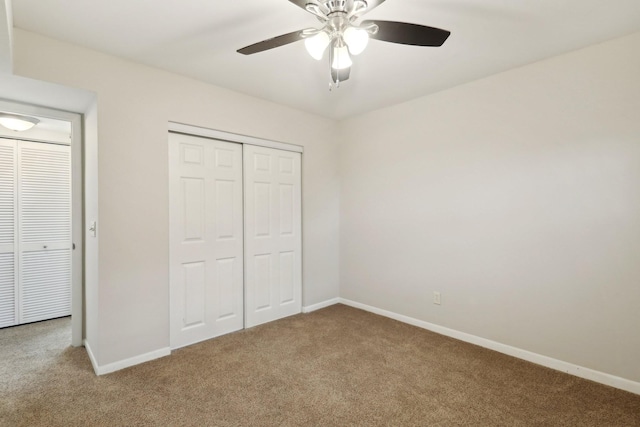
point(206, 238)
point(273, 241)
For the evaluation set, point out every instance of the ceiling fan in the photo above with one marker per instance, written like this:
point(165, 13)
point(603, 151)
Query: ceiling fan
point(345, 37)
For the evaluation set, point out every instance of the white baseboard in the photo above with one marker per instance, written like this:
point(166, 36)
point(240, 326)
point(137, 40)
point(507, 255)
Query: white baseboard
point(92, 358)
point(121, 364)
point(314, 307)
point(558, 365)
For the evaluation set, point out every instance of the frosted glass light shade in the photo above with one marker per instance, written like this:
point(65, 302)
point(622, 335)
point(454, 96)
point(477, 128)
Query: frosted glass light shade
point(317, 44)
point(357, 39)
point(341, 58)
point(17, 123)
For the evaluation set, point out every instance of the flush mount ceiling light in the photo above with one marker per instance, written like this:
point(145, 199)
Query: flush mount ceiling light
point(345, 37)
point(16, 122)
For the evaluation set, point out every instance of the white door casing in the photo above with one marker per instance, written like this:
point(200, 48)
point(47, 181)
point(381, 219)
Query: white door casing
point(77, 197)
point(273, 241)
point(206, 238)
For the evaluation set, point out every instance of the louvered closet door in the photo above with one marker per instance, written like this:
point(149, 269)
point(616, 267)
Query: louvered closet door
point(44, 227)
point(273, 243)
point(8, 238)
point(206, 263)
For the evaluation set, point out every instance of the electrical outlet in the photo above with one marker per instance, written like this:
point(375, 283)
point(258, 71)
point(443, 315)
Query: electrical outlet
point(436, 297)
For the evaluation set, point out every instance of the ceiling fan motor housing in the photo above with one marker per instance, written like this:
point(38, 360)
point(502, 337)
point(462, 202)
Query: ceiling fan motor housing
point(336, 6)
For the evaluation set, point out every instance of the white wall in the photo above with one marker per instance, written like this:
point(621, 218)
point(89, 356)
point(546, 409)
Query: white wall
point(517, 197)
point(134, 105)
point(6, 37)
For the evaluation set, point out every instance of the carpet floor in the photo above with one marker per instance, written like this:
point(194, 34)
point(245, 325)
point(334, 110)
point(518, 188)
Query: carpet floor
point(335, 367)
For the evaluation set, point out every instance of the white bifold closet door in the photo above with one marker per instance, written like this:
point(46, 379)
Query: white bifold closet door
point(273, 241)
point(36, 200)
point(206, 239)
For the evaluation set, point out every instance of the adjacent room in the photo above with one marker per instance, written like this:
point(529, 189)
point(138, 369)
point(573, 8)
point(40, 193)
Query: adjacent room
point(314, 212)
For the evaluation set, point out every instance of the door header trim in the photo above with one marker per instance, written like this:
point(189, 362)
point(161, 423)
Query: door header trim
point(232, 137)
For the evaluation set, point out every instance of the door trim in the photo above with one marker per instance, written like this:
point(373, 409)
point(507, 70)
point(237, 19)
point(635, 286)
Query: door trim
point(232, 137)
point(77, 197)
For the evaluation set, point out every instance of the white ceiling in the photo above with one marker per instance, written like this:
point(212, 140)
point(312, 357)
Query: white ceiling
point(199, 38)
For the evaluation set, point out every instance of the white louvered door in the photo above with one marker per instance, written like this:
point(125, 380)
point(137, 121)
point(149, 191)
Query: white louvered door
point(8, 226)
point(35, 231)
point(44, 227)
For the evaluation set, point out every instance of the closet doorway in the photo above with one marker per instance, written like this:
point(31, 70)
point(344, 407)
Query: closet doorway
point(40, 218)
point(235, 233)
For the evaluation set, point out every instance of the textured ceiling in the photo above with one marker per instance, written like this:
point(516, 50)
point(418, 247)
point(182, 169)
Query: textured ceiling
point(199, 39)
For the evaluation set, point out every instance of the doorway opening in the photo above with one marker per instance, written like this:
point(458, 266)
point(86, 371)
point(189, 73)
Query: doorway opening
point(41, 221)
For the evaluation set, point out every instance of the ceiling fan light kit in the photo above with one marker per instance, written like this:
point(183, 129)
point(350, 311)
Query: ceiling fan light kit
point(316, 45)
point(344, 37)
point(341, 59)
point(357, 39)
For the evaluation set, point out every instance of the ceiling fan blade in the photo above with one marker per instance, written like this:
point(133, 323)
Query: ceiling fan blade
point(412, 34)
point(340, 75)
point(272, 43)
point(303, 3)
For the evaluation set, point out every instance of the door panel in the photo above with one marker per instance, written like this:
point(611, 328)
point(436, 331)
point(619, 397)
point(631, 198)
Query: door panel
point(225, 209)
point(44, 224)
point(194, 209)
point(35, 231)
point(194, 294)
point(206, 238)
point(287, 275)
point(262, 282)
point(226, 273)
point(8, 225)
point(273, 244)
point(45, 284)
point(7, 290)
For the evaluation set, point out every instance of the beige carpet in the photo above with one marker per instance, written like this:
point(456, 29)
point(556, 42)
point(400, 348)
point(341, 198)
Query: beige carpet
point(334, 367)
